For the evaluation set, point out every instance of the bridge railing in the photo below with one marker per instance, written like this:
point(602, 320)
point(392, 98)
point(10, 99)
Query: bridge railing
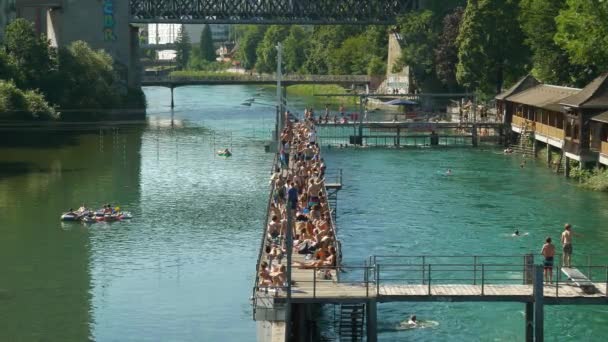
point(226, 77)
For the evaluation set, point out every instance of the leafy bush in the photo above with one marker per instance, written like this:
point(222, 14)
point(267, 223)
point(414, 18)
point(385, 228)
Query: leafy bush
point(598, 180)
point(15, 104)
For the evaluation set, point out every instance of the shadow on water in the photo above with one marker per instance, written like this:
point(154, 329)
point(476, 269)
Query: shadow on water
point(39, 139)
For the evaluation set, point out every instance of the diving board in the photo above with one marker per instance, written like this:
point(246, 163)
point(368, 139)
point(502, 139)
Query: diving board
point(578, 278)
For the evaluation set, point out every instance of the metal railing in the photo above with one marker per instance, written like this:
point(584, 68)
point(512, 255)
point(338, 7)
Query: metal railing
point(258, 78)
point(263, 240)
point(429, 271)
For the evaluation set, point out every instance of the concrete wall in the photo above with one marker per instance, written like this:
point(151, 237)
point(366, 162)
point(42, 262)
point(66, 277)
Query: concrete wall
point(7, 13)
point(396, 80)
point(104, 24)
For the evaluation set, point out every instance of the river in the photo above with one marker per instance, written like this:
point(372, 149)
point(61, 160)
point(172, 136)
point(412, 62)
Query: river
point(182, 268)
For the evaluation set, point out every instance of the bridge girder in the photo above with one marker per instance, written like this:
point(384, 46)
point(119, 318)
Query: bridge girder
point(324, 12)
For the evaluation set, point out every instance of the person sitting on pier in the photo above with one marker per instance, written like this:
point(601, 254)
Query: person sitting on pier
point(274, 228)
point(264, 276)
point(329, 261)
point(278, 276)
point(548, 252)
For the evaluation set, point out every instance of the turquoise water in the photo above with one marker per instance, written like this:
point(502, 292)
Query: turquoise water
point(399, 202)
point(183, 268)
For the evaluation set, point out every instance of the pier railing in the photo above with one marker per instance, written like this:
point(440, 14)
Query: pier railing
point(382, 274)
point(263, 240)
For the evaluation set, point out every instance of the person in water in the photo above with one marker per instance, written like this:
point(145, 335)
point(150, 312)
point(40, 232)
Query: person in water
point(448, 172)
point(413, 321)
point(516, 232)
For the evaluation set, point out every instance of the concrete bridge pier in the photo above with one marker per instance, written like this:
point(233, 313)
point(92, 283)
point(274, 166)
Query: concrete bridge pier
point(172, 99)
point(103, 24)
point(530, 322)
point(371, 320)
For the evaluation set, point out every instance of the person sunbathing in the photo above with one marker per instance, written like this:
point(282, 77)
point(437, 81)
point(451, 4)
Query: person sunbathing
point(329, 261)
point(264, 276)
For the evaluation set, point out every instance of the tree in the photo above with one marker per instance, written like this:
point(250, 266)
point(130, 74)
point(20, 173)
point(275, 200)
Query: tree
point(446, 51)
point(294, 49)
point(551, 63)
point(351, 58)
point(419, 35)
point(491, 51)
point(207, 51)
point(582, 31)
point(31, 55)
point(85, 79)
point(325, 39)
point(251, 36)
point(266, 51)
point(183, 47)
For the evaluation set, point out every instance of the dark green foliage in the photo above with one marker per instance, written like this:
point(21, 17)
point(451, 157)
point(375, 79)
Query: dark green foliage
point(207, 51)
point(582, 31)
point(30, 54)
point(251, 36)
point(71, 78)
point(294, 49)
point(266, 52)
point(420, 35)
point(16, 104)
point(491, 49)
point(446, 51)
point(182, 53)
point(551, 63)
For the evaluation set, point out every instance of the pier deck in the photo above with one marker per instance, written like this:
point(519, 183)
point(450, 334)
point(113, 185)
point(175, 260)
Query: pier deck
point(330, 292)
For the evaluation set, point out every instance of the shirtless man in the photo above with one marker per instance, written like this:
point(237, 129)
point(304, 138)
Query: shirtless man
point(567, 235)
point(548, 252)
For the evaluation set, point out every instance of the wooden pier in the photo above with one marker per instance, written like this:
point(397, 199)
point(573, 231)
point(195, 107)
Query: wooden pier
point(409, 133)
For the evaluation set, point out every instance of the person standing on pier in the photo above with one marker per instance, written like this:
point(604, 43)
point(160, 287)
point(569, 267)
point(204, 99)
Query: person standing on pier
point(548, 252)
point(567, 235)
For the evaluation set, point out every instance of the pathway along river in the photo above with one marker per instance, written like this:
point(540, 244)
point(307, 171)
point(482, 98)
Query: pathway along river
point(182, 269)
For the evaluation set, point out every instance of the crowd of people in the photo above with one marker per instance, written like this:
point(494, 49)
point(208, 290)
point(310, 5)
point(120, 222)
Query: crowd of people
point(298, 186)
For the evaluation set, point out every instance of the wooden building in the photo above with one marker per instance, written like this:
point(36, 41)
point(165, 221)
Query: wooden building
point(560, 117)
point(599, 137)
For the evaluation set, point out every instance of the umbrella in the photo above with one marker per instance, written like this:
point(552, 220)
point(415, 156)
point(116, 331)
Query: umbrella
point(400, 102)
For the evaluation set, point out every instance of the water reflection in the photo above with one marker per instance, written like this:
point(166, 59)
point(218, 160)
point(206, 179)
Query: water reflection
point(46, 280)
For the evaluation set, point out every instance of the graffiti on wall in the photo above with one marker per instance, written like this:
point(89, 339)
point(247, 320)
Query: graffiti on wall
point(108, 21)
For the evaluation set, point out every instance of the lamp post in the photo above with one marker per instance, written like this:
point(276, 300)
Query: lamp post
point(280, 108)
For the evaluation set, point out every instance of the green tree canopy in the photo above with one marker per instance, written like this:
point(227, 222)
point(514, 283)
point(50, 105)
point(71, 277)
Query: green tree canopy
point(446, 51)
point(251, 36)
point(207, 51)
point(550, 62)
point(582, 30)
point(267, 52)
point(183, 47)
point(491, 50)
point(419, 35)
point(294, 49)
point(30, 54)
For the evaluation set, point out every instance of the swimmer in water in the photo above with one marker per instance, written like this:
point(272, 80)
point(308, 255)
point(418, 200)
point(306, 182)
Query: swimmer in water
point(413, 321)
point(448, 172)
point(516, 232)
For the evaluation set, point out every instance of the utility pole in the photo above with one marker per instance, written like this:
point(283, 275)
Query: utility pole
point(281, 110)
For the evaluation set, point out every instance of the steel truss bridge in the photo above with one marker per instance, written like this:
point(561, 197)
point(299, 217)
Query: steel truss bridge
point(356, 12)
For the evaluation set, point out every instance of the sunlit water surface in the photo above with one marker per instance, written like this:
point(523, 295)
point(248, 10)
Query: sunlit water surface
point(182, 269)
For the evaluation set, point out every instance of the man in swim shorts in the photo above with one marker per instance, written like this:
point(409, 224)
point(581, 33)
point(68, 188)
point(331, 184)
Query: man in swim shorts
point(548, 252)
point(567, 245)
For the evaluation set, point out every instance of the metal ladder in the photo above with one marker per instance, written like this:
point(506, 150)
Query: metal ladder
point(352, 321)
